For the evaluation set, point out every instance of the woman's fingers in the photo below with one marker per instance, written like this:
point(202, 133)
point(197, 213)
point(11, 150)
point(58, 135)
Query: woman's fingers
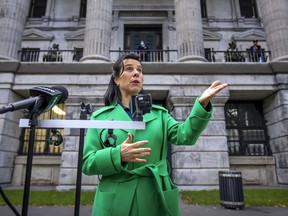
point(210, 92)
point(131, 152)
point(129, 138)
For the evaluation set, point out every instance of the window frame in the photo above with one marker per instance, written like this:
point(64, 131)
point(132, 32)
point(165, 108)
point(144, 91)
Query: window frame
point(35, 6)
point(43, 136)
point(252, 5)
point(203, 6)
point(255, 146)
point(83, 9)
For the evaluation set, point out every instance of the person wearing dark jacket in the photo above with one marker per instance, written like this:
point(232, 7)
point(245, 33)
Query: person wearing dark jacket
point(255, 52)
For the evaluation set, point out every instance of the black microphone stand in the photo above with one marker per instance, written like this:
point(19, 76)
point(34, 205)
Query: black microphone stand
point(33, 114)
point(85, 109)
point(33, 123)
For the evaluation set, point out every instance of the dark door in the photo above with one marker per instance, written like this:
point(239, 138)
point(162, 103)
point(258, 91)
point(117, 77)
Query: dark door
point(149, 39)
point(151, 36)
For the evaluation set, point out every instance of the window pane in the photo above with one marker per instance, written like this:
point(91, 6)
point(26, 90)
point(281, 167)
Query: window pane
point(37, 8)
point(256, 149)
point(234, 148)
point(249, 116)
point(253, 135)
point(44, 142)
point(248, 8)
point(231, 113)
point(203, 8)
point(83, 7)
point(233, 134)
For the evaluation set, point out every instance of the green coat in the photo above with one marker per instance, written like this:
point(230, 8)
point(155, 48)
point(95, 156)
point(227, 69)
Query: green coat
point(140, 189)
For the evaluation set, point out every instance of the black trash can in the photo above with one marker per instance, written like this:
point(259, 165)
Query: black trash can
point(231, 189)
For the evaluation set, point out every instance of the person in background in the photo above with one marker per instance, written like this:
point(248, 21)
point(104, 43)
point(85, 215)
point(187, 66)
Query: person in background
point(134, 173)
point(143, 51)
point(255, 52)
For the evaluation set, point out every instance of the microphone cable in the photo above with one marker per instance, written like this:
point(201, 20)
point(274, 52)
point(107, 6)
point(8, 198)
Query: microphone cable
point(110, 136)
point(5, 198)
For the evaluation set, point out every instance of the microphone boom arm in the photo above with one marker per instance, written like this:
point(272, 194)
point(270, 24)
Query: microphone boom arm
point(137, 125)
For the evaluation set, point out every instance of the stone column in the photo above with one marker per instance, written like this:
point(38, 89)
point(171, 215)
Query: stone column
point(189, 31)
point(9, 122)
point(13, 16)
point(276, 116)
point(275, 20)
point(97, 39)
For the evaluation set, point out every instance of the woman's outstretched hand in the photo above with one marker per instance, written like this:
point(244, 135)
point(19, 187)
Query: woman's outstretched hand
point(131, 152)
point(209, 93)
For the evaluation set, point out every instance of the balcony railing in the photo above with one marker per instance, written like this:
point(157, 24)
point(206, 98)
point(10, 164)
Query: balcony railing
point(237, 56)
point(151, 55)
point(157, 55)
point(34, 55)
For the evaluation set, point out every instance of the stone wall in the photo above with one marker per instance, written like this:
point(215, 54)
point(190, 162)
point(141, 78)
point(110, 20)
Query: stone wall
point(194, 167)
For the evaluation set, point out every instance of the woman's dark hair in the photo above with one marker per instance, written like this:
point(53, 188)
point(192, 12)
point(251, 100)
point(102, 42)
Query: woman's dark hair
point(113, 93)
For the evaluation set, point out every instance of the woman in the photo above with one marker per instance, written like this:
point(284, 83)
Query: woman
point(135, 178)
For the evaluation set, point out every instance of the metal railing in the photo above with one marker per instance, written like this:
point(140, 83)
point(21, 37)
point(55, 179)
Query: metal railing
point(155, 55)
point(33, 55)
point(149, 55)
point(237, 56)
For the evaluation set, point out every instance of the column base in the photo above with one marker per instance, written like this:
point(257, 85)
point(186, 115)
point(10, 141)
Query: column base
point(94, 59)
point(281, 58)
point(4, 58)
point(192, 59)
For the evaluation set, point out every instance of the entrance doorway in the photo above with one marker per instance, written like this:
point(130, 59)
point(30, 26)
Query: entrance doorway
point(151, 37)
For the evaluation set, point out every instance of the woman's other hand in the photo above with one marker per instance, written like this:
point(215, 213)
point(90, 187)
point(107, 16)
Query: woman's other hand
point(131, 152)
point(209, 93)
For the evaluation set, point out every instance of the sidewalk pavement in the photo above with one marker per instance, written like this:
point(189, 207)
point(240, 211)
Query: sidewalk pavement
point(187, 210)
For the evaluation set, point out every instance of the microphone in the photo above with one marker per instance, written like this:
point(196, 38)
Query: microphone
point(42, 100)
point(140, 104)
point(132, 105)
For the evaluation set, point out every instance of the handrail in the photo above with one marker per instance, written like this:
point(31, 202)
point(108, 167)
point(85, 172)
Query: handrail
point(238, 56)
point(151, 55)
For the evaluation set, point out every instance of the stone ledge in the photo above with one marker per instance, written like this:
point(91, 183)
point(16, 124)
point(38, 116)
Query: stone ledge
point(149, 68)
point(45, 170)
point(251, 160)
point(9, 66)
point(39, 160)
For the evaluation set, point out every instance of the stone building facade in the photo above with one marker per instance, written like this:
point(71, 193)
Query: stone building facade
point(193, 32)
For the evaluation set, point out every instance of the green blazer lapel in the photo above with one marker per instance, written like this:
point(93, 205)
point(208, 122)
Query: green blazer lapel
point(119, 114)
point(149, 116)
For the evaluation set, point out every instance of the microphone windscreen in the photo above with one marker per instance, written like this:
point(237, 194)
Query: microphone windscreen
point(64, 92)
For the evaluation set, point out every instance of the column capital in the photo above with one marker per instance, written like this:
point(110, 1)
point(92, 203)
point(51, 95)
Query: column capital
point(192, 59)
point(94, 59)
